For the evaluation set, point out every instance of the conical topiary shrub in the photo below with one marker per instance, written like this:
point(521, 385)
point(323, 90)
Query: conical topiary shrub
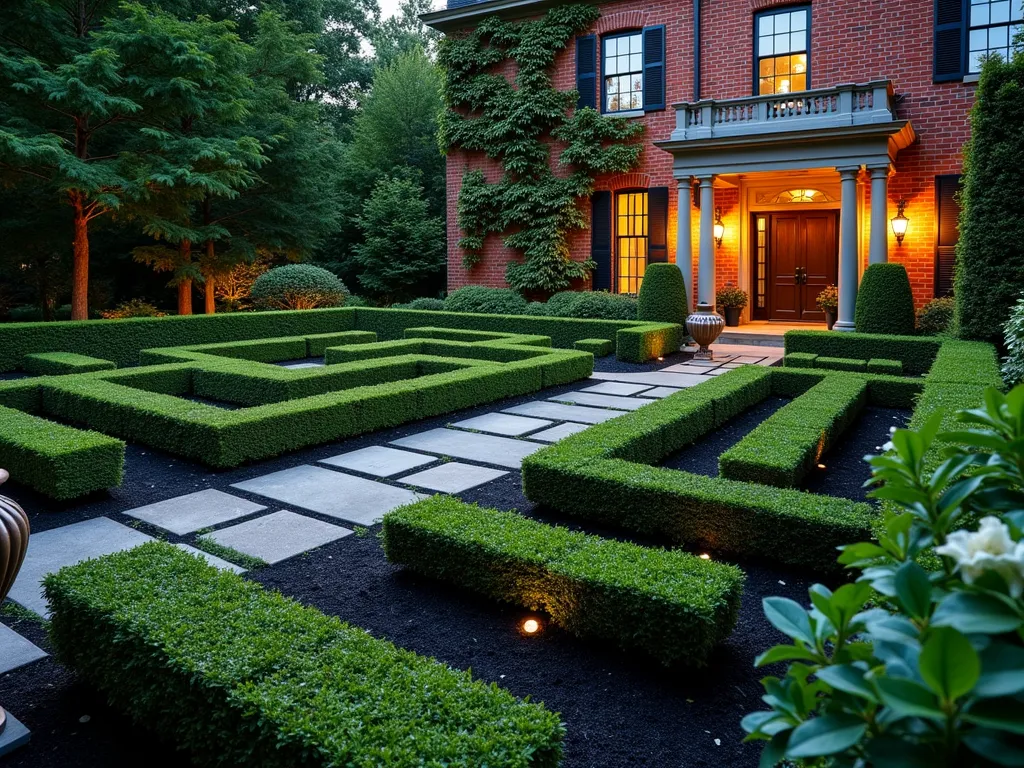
point(884, 302)
point(662, 295)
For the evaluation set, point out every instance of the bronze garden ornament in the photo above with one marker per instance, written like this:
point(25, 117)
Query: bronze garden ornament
point(14, 532)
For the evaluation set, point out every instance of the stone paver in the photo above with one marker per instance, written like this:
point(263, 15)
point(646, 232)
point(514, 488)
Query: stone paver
point(202, 509)
point(453, 477)
point(652, 378)
point(718, 371)
point(16, 651)
point(503, 424)
point(694, 368)
point(615, 388)
point(559, 412)
point(295, 366)
point(660, 392)
point(379, 460)
point(600, 401)
point(558, 432)
point(750, 359)
point(487, 449)
point(213, 560)
point(330, 493)
point(278, 536)
point(14, 736)
point(51, 550)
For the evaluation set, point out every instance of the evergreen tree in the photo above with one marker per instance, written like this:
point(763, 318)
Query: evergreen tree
point(404, 32)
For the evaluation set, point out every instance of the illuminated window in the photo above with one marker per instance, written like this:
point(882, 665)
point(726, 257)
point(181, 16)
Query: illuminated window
point(630, 240)
point(761, 258)
point(803, 196)
point(623, 70)
point(994, 23)
point(781, 54)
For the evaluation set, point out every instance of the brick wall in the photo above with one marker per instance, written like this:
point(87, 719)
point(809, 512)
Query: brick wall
point(851, 41)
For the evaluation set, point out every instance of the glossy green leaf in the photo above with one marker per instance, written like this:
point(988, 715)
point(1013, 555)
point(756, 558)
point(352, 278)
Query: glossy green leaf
point(971, 613)
point(996, 746)
point(914, 590)
point(1004, 714)
point(825, 735)
point(788, 617)
point(1002, 671)
point(909, 699)
point(848, 678)
point(949, 664)
point(784, 653)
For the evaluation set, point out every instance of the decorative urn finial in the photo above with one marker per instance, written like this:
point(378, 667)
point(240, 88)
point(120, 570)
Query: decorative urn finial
point(704, 326)
point(14, 532)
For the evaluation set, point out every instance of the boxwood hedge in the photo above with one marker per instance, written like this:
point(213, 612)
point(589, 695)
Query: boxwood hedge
point(61, 363)
point(916, 353)
point(670, 604)
point(240, 676)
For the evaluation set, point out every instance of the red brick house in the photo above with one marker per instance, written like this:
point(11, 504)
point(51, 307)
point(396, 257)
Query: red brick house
point(793, 130)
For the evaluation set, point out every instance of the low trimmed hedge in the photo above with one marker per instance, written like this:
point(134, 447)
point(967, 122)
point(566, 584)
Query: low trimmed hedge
point(596, 347)
point(841, 363)
point(58, 461)
point(916, 353)
point(799, 360)
point(885, 367)
point(786, 446)
point(241, 676)
point(61, 363)
point(670, 604)
point(601, 474)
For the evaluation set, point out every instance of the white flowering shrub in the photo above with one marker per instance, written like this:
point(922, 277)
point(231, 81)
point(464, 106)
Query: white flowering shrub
point(1013, 363)
point(919, 663)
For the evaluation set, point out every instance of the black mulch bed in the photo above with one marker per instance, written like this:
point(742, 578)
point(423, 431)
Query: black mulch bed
point(620, 708)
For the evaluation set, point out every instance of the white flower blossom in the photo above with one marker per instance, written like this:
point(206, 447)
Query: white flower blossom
point(990, 548)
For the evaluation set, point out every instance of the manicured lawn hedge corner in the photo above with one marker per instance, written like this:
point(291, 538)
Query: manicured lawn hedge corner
point(840, 363)
point(61, 363)
point(317, 343)
point(916, 353)
point(600, 474)
point(597, 347)
point(799, 360)
point(58, 461)
point(783, 448)
point(672, 605)
point(885, 367)
point(241, 676)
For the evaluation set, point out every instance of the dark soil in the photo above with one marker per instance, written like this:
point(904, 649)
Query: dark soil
point(620, 708)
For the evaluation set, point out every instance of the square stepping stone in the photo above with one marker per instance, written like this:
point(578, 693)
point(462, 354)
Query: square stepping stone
point(16, 651)
point(278, 536)
point(189, 513)
point(379, 460)
point(600, 401)
point(653, 378)
point(660, 392)
point(503, 424)
point(295, 366)
point(330, 493)
point(213, 560)
point(615, 388)
point(749, 359)
point(689, 368)
point(487, 449)
point(51, 550)
point(558, 432)
point(15, 735)
point(562, 412)
point(453, 477)
point(717, 372)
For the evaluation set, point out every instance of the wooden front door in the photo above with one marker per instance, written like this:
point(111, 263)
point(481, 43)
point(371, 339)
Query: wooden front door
point(803, 258)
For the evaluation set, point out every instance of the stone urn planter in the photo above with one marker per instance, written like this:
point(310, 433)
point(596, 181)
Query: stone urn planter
point(704, 326)
point(14, 532)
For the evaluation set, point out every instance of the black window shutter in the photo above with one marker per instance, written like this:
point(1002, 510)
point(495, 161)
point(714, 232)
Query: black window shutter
point(950, 56)
point(601, 240)
point(654, 68)
point(657, 225)
point(947, 213)
point(586, 71)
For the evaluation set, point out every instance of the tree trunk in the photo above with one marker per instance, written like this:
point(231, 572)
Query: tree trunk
point(80, 261)
point(185, 285)
point(211, 304)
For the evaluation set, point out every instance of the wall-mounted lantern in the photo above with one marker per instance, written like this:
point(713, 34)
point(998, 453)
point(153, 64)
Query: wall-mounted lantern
point(719, 228)
point(900, 222)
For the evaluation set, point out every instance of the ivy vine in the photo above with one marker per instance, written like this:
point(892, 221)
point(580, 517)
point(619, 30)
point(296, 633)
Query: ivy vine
point(533, 206)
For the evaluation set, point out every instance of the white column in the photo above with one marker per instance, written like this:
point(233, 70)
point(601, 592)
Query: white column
point(848, 267)
point(706, 263)
point(684, 241)
point(878, 241)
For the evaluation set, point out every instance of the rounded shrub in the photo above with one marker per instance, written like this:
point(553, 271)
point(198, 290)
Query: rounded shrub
point(936, 316)
point(357, 301)
point(602, 306)
point(662, 295)
point(481, 300)
point(298, 286)
point(537, 308)
point(1013, 363)
point(884, 302)
point(559, 304)
point(424, 302)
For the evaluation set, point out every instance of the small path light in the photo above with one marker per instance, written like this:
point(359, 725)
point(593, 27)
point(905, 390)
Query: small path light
point(705, 556)
point(821, 466)
point(531, 626)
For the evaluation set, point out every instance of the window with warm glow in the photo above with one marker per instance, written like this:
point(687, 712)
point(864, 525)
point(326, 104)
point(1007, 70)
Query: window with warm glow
point(630, 240)
point(623, 70)
point(994, 24)
point(782, 40)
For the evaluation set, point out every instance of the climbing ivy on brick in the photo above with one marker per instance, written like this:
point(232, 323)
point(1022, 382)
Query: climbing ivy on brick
point(533, 206)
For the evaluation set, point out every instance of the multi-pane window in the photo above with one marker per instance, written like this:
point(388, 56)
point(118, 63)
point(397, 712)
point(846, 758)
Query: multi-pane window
point(623, 71)
point(994, 23)
point(630, 240)
point(782, 43)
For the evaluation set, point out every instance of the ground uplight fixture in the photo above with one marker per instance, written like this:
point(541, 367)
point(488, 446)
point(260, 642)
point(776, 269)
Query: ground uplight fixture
point(705, 556)
point(900, 222)
point(719, 228)
point(531, 626)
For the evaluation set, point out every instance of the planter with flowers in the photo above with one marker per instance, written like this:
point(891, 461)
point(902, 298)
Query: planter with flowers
point(731, 300)
point(828, 302)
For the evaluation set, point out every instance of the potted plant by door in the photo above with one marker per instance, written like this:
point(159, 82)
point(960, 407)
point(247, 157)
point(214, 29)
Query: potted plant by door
point(731, 300)
point(828, 301)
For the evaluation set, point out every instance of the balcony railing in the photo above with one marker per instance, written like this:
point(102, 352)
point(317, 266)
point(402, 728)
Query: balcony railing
point(838, 107)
